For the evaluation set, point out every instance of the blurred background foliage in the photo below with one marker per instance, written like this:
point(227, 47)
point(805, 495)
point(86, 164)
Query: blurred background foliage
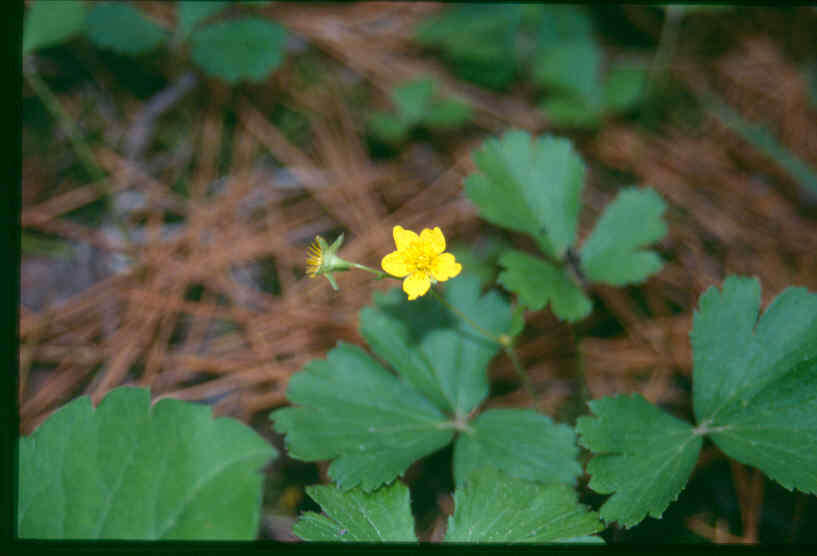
point(178, 157)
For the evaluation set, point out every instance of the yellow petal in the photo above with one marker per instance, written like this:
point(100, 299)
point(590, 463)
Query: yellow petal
point(416, 284)
point(403, 238)
point(434, 238)
point(445, 266)
point(393, 264)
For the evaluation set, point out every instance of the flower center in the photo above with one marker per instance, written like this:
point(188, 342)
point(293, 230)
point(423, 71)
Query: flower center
point(419, 255)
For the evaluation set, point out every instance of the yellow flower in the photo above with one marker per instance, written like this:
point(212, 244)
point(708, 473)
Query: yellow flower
point(322, 259)
point(314, 259)
point(420, 259)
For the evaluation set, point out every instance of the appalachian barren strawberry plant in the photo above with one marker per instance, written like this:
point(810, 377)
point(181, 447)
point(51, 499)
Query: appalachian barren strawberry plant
point(419, 384)
point(170, 471)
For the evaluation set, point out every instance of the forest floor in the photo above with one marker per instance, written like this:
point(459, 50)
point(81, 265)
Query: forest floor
point(185, 273)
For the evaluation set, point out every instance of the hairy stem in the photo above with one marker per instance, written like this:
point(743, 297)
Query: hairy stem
point(667, 43)
point(504, 340)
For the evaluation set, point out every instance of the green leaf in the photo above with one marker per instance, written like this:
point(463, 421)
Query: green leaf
point(50, 23)
point(447, 114)
point(522, 443)
point(388, 128)
point(565, 111)
point(567, 63)
point(356, 412)
point(614, 254)
point(373, 423)
point(517, 321)
point(537, 282)
point(755, 395)
point(531, 186)
point(755, 381)
point(480, 258)
point(433, 349)
point(572, 68)
point(122, 28)
point(642, 455)
point(192, 12)
point(412, 100)
point(560, 23)
point(624, 88)
point(721, 326)
point(357, 516)
point(478, 40)
point(415, 104)
point(492, 507)
point(777, 431)
point(131, 471)
point(530, 512)
point(239, 49)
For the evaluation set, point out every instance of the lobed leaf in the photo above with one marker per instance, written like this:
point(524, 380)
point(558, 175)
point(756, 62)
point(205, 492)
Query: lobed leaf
point(478, 40)
point(354, 411)
point(434, 350)
point(239, 49)
point(568, 111)
point(122, 28)
point(625, 88)
point(538, 282)
point(642, 455)
point(567, 62)
point(416, 104)
point(736, 356)
point(572, 68)
point(357, 516)
point(387, 127)
point(755, 395)
point(373, 423)
point(614, 254)
point(127, 470)
point(447, 114)
point(776, 431)
point(755, 381)
point(560, 23)
point(412, 100)
point(522, 443)
point(480, 259)
point(192, 12)
point(50, 23)
point(492, 507)
point(721, 326)
point(531, 186)
point(517, 321)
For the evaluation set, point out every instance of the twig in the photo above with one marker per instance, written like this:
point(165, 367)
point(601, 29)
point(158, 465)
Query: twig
point(84, 153)
point(145, 120)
